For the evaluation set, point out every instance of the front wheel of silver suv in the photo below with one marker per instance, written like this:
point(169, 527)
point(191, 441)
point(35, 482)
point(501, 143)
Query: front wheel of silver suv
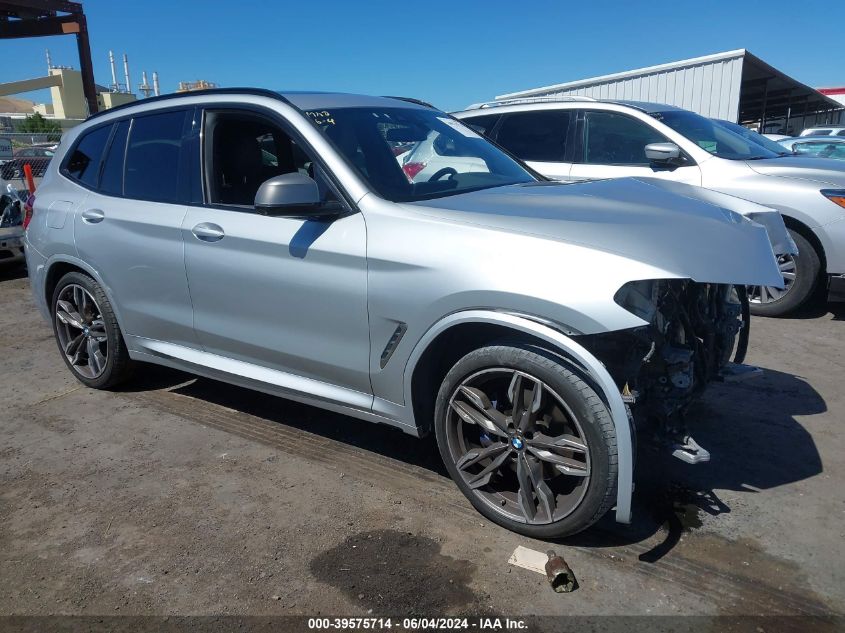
point(528, 442)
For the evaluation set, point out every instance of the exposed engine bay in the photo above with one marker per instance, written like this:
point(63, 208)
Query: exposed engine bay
point(695, 334)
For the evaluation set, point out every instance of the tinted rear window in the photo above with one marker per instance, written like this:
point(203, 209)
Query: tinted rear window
point(539, 135)
point(482, 124)
point(111, 181)
point(153, 157)
point(84, 163)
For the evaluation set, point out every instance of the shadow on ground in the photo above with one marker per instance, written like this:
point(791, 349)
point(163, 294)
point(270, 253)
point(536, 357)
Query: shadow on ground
point(749, 428)
point(818, 306)
point(756, 444)
point(10, 271)
point(376, 438)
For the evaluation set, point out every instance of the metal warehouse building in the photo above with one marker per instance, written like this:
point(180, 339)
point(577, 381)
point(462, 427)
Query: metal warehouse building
point(734, 85)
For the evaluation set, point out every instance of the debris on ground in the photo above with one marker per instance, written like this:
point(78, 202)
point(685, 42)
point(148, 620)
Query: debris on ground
point(559, 574)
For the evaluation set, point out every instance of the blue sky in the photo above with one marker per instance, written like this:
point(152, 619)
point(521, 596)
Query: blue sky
point(450, 53)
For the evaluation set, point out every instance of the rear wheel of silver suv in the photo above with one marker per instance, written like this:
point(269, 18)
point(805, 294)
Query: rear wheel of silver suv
point(87, 333)
point(529, 443)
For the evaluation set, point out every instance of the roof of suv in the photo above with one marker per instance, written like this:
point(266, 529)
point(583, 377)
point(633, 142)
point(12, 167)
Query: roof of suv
point(300, 100)
point(568, 101)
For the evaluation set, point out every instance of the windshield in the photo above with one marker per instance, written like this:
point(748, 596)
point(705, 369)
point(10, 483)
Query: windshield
point(408, 154)
point(754, 137)
point(712, 137)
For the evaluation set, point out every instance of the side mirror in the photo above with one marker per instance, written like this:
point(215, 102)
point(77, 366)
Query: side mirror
point(295, 195)
point(662, 152)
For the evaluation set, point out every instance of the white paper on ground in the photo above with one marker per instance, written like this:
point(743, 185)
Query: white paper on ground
point(529, 559)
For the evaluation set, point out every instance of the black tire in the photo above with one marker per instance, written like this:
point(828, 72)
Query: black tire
point(118, 365)
point(807, 267)
point(591, 413)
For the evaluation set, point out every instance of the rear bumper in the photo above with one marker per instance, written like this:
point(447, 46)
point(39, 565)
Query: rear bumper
point(836, 288)
point(36, 266)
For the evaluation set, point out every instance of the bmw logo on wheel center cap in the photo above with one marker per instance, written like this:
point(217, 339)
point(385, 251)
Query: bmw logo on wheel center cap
point(516, 442)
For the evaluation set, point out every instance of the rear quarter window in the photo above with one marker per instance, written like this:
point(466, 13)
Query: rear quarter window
point(83, 164)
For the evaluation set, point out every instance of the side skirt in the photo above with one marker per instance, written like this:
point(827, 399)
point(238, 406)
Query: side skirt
point(258, 378)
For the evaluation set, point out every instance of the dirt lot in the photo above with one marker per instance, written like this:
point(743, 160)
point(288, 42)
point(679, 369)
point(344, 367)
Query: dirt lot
point(186, 496)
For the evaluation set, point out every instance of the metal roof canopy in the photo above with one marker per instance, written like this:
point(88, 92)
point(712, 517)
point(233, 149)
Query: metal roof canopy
point(734, 85)
point(769, 94)
point(38, 18)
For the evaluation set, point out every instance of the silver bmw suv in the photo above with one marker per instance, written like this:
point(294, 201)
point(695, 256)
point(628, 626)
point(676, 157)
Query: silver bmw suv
point(275, 241)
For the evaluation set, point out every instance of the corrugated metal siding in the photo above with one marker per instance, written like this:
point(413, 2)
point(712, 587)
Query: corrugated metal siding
point(709, 88)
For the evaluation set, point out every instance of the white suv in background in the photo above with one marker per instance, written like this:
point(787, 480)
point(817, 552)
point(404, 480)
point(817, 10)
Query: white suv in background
point(578, 138)
point(824, 130)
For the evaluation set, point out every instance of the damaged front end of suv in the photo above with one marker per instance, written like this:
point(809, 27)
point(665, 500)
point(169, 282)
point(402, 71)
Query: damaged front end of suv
point(617, 303)
point(697, 333)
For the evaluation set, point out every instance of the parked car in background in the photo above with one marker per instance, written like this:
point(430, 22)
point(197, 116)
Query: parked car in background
point(818, 146)
point(37, 157)
point(434, 158)
point(580, 138)
point(526, 323)
point(824, 130)
point(12, 206)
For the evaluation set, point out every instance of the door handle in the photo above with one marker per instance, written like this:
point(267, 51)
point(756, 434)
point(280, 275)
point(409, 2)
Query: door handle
point(92, 216)
point(208, 232)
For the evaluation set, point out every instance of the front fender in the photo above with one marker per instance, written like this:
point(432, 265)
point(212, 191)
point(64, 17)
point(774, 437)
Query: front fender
point(576, 353)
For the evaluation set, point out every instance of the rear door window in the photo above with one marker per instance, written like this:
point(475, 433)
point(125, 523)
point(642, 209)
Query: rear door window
point(84, 162)
point(111, 181)
point(154, 157)
point(536, 136)
point(483, 124)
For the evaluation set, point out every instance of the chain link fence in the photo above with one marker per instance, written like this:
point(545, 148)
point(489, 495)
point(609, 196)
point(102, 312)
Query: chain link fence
point(21, 148)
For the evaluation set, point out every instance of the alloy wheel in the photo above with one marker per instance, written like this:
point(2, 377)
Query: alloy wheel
point(81, 331)
point(768, 294)
point(518, 446)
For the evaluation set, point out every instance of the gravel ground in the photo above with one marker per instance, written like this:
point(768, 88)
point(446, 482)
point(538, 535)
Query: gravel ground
point(184, 496)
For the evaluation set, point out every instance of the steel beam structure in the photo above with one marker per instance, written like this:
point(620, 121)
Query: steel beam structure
point(39, 18)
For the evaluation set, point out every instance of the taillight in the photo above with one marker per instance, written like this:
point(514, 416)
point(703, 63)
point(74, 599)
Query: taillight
point(27, 210)
point(412, 169)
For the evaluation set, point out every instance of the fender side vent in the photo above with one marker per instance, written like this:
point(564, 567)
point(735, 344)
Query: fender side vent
point(392, 344)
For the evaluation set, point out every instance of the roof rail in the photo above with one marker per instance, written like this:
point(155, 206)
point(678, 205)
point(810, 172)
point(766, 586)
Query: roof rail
point(507, 102)
point(261, 92)
point(410, 100)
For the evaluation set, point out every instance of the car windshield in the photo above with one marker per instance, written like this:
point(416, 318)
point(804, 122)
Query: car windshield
point(409, 154)
point(712, 137)
point(754, 137)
